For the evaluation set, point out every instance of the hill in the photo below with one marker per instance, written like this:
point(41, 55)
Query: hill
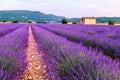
point(106, 19)
point(25, 15)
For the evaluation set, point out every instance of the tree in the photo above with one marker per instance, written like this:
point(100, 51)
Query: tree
point(74, 22)
point(111, 22)
point(29, 21)
point(14, 21)
point(3, 20)
point(64, 21)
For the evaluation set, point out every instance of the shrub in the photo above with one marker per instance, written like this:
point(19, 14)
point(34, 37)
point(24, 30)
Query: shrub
point(14, 21)
point(111, 22)
point(75, 22)
point(38, 22)
point(2, 20)
point(29, 21)
point(64, 21)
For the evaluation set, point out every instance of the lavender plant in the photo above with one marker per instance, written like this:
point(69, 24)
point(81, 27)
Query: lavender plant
point(66, 60)
point(12, 53)
point(8, 28)
point(103, 38)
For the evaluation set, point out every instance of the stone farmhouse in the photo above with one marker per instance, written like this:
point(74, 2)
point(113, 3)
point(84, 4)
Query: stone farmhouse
point(88, 20)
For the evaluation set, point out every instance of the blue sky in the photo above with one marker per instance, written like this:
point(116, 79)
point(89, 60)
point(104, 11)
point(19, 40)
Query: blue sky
point(68, 8)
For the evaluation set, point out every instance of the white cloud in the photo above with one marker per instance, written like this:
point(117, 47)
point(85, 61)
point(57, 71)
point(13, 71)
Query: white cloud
point(69, 8)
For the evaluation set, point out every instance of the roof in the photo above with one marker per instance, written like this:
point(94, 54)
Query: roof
point(88, 18)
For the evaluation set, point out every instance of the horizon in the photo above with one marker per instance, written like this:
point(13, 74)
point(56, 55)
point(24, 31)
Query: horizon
point(68, 8)
point(62, 15)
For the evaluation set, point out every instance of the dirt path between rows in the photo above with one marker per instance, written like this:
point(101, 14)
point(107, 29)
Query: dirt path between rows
point(36, 68)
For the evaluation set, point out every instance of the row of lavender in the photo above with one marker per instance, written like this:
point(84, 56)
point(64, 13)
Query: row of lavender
point(66, 60)
point(8, 28)
point(12, 53)
point(103, 38)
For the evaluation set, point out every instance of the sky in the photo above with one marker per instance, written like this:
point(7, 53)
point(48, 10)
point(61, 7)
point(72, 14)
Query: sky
point(67, 8)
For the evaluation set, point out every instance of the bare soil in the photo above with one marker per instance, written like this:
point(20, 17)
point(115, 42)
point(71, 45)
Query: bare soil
point(36, 67)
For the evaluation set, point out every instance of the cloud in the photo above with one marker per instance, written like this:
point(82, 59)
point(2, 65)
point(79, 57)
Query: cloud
point(68, 8)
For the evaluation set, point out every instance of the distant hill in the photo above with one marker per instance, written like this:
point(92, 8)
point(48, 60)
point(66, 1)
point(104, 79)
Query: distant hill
point(106, 19)
point(101, 19)
point(25, 15)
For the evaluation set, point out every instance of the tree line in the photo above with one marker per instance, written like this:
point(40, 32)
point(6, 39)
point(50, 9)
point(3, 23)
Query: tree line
point(63, 21)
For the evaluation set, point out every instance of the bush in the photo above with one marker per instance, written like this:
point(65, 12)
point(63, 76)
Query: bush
point(29, 21)
point(2, 20)
point(38, 22)
point(14, 21)
point(64, 21)
point(75, 22)
point(111, 22)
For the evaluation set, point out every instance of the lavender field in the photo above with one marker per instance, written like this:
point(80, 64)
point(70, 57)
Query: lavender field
point(59, 52)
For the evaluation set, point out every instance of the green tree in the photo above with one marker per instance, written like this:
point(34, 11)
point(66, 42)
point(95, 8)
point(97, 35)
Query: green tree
point(111, 22)
point(4, 21)
point(64, 21)
point(14, 21)
point(74, 22)
point(29, 21)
